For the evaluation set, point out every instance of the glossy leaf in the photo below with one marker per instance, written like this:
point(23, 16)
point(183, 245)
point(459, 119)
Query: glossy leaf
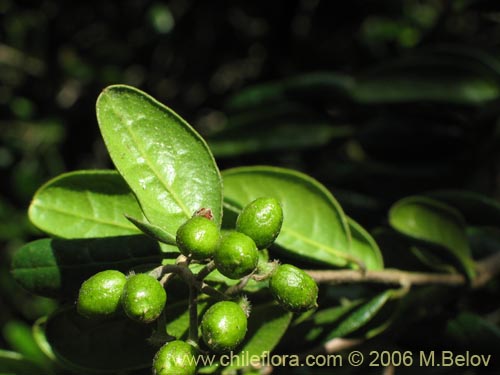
point(266, 325)
point(477, 209)
point(314, 225)
point(54, 268)
point(361, 316)
point(432, 222)
point(90, 346)
point(154, 231)
point(363, 243)
point(163, 159)
point(85, 204)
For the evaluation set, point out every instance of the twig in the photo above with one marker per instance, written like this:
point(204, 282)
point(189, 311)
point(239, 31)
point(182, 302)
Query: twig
point(486, 268)
point(193, 315)
point(205, 271)
point(234, 289)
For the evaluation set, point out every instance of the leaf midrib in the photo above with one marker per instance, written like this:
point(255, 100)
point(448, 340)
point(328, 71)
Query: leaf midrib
point(88, 218)
point(292, 233)
point(148, 162)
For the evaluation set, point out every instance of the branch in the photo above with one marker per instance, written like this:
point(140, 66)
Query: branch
point(486, 268)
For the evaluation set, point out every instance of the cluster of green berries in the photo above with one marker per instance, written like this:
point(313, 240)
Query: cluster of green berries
point(235, 255)
point(140, 296)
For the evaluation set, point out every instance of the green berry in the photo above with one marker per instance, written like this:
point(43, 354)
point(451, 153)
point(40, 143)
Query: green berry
point(261, 220)
point(223, 326)
point(294, 289)
point(175, 357)
point(236, 256)
point(99, 296)
point(143, 298)
point(198, 237)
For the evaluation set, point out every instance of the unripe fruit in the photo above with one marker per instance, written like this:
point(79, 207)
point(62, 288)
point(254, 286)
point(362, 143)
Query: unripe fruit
point(198, 237)
point(224, 325)
point(294, 289)
point(261, 220)
point(175, 357)
point(143, 298)
point(99, 296)
point(236, 256)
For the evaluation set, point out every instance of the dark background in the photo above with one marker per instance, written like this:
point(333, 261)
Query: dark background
point(200, 57)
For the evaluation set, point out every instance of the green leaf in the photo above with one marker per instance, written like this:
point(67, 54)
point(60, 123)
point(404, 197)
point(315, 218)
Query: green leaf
point(433, 223)
point(266, 325)
point(153, 231)
point(478, 209)
point(164, 160)
point(314, 225)
point(90, 346)
point(431, 260)
point(54, 267)
point(85, 204)
point(12, 363)
point(314, 87)
point(362, 315)
point(473, 332)
point(484, 241)
point(265, 137)
point(177, 318)
point(364, 243)
point(20, 337)
point(427, 78)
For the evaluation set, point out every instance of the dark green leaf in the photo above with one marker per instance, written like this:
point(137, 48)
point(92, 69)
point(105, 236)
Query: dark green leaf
point(484, 241)
point(275, 137)
point(53, 268)
point(12, 363)
point(477, 209)
point(361, 316)
point(424, 219)
point(85, 204)
point(153, 231)
point(473, 332)
point(427, 78)
point(314, 225)
point(20, 338)
point(266, 326)
point(311, 87)
point(163, 159)
point(90, 346)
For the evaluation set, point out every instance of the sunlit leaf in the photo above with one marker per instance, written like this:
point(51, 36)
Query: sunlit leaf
point(85, 204)
point(164, 160)
point(314, 225)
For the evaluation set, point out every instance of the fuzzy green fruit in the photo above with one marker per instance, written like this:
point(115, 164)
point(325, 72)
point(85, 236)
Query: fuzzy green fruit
point(261, 220)
point(198, 237)
point(99, 296)
point(175, 357)
point(143, 298)
point(294, 289)
point(236, 256)
point(223, 326)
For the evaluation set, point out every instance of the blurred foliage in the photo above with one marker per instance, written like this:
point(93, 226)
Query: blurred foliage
point(376, 99)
